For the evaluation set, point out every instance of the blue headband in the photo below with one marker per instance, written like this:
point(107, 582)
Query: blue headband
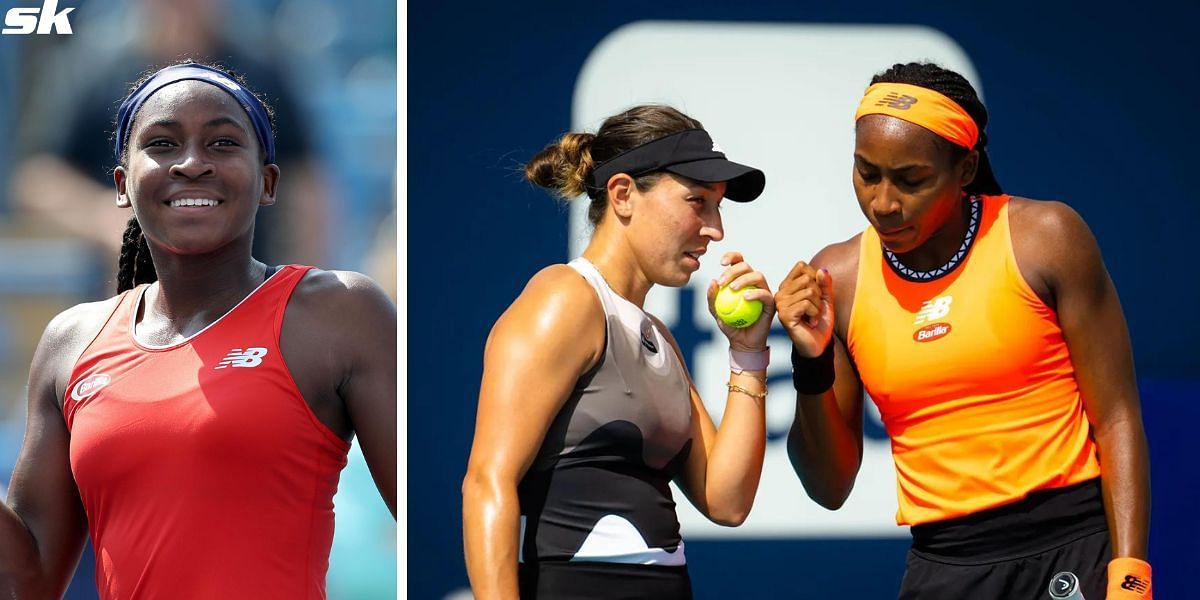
point(254, 108)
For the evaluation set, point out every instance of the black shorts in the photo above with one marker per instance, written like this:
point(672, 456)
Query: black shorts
point(603, 581)
point(1013, 552)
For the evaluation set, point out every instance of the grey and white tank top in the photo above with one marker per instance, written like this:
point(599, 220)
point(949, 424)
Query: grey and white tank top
point(597, 490)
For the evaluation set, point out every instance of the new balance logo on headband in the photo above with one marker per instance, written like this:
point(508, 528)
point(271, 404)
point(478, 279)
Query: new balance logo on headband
point(897, 101)
point(250, 357)
point(47, 19)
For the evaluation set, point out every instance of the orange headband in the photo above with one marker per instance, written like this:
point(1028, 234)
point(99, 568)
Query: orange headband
point(921, 106)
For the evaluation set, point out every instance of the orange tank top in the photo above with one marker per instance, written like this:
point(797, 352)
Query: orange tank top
point(971, 375)
point(202, 470)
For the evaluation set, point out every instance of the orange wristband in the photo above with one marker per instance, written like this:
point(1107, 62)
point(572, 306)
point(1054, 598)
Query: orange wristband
point(1129, 579)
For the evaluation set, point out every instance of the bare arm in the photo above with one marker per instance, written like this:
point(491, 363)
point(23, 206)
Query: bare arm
point(825, 443)
point(1058, 252)
point(537, 350)
point(723, 469)
point(43, 527)
point(367, 319)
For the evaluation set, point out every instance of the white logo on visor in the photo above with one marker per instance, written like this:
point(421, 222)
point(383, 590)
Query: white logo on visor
point(717, 148)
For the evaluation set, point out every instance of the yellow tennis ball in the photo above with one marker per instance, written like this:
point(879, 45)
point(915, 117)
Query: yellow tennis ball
point(735, 310)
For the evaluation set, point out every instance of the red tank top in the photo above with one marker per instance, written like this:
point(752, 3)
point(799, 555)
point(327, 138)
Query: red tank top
point(203, 471)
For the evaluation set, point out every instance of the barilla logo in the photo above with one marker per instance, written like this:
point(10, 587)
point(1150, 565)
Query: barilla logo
point(88, 386)
point(44, 20)
point(931, 332)
point(897, 101)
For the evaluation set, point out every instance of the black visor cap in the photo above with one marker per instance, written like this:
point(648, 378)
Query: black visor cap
point(690, 154)
point(743, 183)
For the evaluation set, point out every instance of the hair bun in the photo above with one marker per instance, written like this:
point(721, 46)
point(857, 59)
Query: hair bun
point(563, 166)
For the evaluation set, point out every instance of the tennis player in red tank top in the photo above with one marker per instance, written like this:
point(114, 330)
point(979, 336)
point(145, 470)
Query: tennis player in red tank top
point(196, 424)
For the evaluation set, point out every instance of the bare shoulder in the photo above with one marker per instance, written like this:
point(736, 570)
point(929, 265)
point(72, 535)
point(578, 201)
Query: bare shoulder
point(554, 298)
point(79, 322)
point(840, 258)
point(1052, 244)
point(340, 298)
point(558, 279)
point(557, 307)
point(66, 337)
point(340, 307)
point(1049, 232)
point(339, 286)
point(1045, 219)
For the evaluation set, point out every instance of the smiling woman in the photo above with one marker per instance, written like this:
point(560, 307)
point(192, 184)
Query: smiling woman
point(195, 425)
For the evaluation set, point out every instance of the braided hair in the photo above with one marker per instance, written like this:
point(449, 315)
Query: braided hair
point(955, 87)
point(135, 266)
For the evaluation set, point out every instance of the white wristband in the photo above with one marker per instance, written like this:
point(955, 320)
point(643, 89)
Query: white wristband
point(749, 361)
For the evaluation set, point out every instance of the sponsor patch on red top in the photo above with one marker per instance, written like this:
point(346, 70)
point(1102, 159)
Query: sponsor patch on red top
point(931, 332)
point(86, 388)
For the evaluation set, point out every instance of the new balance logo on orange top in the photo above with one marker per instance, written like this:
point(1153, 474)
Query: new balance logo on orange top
point(934, 309)
point(930, 312)
point(250, 357)
point(897, 101)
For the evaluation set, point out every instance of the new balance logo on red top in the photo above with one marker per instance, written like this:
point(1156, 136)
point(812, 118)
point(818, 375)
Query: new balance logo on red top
point(250, 357)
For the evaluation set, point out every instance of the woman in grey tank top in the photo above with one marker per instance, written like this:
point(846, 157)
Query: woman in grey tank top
point(586, 409)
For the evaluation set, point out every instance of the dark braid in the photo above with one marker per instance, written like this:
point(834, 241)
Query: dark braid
point(135, 266)
point(957, 88)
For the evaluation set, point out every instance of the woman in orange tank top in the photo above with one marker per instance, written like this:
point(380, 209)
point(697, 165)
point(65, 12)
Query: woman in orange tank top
point(987, 330)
